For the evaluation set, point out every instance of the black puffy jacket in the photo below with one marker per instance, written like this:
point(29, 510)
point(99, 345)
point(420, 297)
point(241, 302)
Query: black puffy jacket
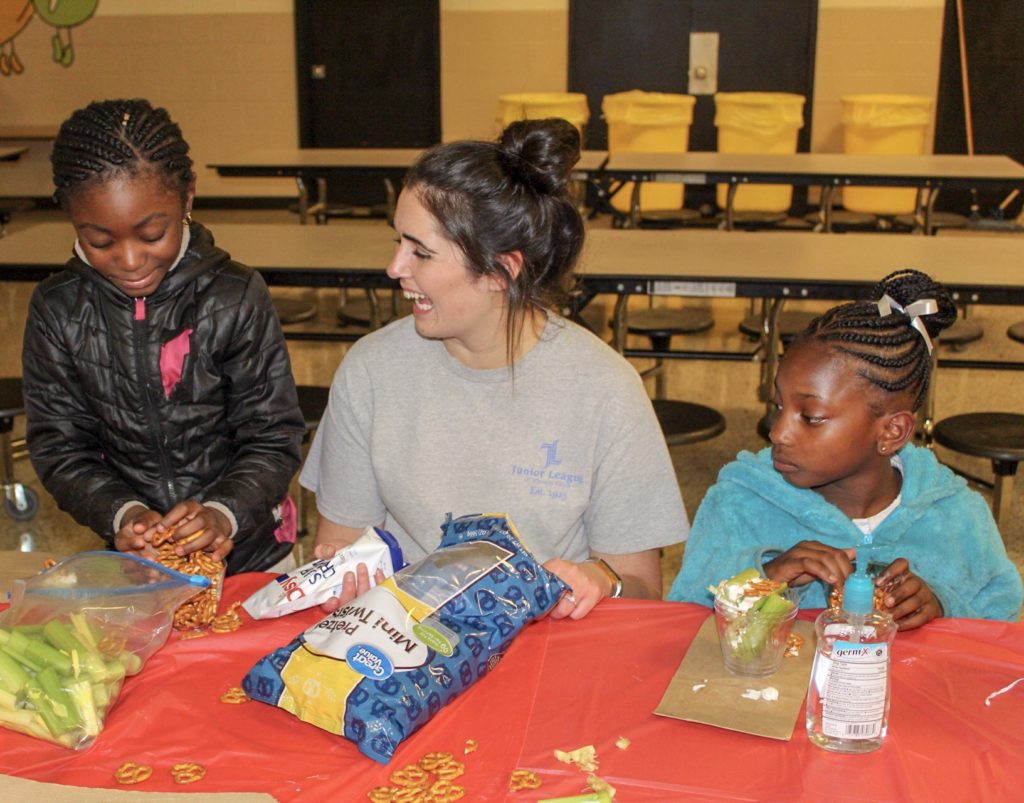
point(102, 431)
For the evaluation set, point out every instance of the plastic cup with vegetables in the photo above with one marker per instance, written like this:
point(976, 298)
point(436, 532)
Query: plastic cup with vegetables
point(754, 616)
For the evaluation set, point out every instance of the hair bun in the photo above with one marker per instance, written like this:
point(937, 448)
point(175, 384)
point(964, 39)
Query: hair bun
point(540, 153)
point(907, 286)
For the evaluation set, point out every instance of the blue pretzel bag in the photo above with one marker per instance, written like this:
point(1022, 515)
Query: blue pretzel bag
point(380, 667)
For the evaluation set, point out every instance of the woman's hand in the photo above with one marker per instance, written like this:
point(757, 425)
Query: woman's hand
point(908, 598)
point(807, 561)
point(331, 537)
point(190, 517)
point(588, 583)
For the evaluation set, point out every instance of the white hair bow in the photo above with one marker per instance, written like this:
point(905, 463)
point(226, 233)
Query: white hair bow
point(924, 306)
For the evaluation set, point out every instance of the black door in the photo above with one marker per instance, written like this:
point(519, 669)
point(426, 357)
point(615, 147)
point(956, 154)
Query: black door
point(369, 76)
point(618, 45)
point(994, 42)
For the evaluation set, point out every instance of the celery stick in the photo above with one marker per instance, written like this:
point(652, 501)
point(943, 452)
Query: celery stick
point(58, 634)
point(132, 663)
point(59, 698)
point(89, 660)
point(85, 633)
point(82, 697)
point(55, 724)
point(20, 657)
point(12, 677)
point(100, 694)
point(24, 720)
point(38, 650)
point(8, 700)
point(28, 630)
point(16, 641)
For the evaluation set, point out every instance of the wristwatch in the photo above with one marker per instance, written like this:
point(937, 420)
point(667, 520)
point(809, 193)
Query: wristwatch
point(612, 575)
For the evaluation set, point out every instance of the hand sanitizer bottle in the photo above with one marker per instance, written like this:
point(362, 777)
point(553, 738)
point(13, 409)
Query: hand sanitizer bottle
point(848, 694)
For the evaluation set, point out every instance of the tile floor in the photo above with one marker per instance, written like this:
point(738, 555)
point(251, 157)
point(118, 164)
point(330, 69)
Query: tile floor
point(729, 386)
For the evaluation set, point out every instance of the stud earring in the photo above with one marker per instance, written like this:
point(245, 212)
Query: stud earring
point(187, 220)
point(881, 449)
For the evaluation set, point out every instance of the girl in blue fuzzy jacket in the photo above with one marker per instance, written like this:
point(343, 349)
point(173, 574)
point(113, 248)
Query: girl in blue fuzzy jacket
point(842, 475)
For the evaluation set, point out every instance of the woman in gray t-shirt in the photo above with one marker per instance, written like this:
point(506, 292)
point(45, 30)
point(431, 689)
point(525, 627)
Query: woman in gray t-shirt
point(485, 400)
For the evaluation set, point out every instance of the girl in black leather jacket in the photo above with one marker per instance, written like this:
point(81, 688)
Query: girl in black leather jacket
point(158, 387)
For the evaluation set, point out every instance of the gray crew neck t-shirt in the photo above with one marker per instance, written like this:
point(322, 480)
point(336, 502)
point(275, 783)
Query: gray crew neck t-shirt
point(569, 448)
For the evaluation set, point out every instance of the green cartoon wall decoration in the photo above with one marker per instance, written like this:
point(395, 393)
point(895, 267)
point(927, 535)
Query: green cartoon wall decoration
point(63, 15)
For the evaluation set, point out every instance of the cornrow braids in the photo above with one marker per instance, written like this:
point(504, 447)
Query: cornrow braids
point(892, 353)
point(112, 137)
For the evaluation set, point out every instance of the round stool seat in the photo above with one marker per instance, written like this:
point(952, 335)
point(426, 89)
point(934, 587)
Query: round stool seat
point(312, 403)
point(294, 310)
point(754, 218)
point(938, 220)
point(996, 436)
point(1016, 332)
point(844, 219)
point(12, 402)
point(685, 422)
point(661, 323)
point(961, 333)
point(355, 312)
point(667, 218)
point(790, 324)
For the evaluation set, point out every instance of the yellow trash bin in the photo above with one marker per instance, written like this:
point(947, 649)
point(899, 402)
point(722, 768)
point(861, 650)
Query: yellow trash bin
point(648, 122)
point(884, 124)
point(571, 106)
point(758, 122)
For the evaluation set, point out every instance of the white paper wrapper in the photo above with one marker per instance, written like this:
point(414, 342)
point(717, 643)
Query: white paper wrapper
point(319, 580)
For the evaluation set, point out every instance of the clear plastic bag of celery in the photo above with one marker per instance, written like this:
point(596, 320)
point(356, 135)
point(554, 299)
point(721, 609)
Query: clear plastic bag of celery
point(74, 632)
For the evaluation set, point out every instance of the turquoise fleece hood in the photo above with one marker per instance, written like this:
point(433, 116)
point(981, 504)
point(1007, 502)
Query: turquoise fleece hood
point(944, 529)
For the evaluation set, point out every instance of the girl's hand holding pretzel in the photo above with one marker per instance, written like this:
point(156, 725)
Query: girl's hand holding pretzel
point(192, 526)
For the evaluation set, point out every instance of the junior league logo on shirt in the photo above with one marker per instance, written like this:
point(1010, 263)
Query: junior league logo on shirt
point(548, 477)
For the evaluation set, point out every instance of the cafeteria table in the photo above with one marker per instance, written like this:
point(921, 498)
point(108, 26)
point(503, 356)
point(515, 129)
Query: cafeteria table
point(954, 727)
point(316, 165)
point(928, 173)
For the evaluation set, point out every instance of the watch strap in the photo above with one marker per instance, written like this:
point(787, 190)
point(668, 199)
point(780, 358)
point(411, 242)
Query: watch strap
point(612, 575)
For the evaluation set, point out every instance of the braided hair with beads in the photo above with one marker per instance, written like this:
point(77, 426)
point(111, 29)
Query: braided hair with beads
point(882, 338)
point(109, 138)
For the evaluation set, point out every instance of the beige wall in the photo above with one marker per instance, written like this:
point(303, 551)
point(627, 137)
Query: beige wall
point(226, 68)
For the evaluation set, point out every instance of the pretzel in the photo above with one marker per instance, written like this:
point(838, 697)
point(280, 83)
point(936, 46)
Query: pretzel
point(523, 779)
point(471, 746)
point(445, 792)
point(410, 776)
point(199, 610)
point(131, 773)
point(431, 761)
point(411, 794)
point(188, 772)
point(235, 695)
point(192, 634)
point(227, 622)
point(835, 599)
point(449, 771)
point(111, 646)
point(382, 794)
point(793, 645)
point(49, 563)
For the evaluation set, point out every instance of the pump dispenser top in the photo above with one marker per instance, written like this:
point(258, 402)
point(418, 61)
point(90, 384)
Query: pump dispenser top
point(859, 589)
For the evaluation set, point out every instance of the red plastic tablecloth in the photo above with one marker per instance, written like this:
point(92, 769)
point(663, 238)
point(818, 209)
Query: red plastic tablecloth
point(563, 685)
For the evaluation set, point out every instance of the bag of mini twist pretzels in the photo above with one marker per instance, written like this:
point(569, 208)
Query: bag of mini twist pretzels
point(72, 635)
point(388, 661)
